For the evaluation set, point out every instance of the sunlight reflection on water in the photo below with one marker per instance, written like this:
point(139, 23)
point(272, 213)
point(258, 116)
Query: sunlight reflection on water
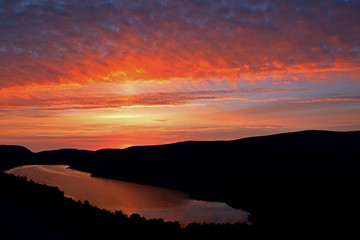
point(148, 201)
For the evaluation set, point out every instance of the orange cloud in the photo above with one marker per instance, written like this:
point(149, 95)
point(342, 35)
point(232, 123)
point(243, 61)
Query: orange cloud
point(131, 93)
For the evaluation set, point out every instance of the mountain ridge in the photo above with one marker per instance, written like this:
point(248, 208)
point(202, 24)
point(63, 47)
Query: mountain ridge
point(3, 146)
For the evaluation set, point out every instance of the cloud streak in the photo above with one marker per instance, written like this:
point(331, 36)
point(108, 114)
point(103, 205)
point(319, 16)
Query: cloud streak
point(95, 96)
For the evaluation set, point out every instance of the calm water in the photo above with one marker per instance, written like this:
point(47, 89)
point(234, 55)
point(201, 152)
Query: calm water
point(148, 201)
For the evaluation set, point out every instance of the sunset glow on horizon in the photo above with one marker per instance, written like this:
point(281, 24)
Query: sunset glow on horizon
point(114, 74)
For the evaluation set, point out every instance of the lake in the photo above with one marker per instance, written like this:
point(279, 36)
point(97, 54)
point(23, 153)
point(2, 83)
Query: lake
point(112, 195)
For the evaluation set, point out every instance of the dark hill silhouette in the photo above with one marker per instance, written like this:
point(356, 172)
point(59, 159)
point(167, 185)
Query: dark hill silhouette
point(12, 156)
point(62, 156)
point(294, 184)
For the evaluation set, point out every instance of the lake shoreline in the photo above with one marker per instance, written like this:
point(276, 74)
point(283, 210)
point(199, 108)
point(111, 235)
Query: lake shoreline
point(113, 195)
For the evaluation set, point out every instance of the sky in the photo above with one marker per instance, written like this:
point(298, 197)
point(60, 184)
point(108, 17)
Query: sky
point(114, 74)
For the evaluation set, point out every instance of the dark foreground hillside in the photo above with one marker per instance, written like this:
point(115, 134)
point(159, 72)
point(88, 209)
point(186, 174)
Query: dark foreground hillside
point(33, 211)
point(296, 185)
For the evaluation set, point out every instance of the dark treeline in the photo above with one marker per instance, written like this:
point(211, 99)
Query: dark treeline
point(42, 212)
point(295, 185)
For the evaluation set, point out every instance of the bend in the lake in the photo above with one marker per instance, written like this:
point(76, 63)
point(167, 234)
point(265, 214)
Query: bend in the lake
point(148, 201)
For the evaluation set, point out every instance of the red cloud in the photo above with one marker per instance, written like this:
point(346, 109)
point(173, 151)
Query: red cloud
point(80, 43)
